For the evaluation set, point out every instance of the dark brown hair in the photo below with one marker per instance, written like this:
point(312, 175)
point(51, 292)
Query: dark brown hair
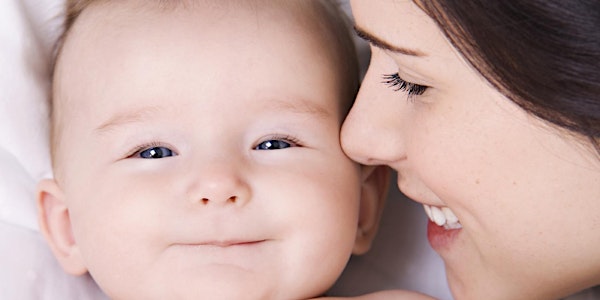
point(542, 54)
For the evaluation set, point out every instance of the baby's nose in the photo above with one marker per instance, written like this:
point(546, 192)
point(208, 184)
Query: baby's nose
point(221, 183)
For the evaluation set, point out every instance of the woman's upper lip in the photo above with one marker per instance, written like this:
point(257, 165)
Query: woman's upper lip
point(418, 195)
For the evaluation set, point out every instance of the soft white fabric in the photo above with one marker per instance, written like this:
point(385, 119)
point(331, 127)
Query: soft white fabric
point(27, 268)
point(400, 258)
point(23, 82)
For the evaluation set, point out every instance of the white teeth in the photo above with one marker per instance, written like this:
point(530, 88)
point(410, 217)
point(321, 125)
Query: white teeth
point(427, 210)
point(438, 216)
point(442, 216)
point(450, 216)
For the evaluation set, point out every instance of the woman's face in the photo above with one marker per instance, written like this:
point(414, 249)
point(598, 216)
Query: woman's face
point(526, 195)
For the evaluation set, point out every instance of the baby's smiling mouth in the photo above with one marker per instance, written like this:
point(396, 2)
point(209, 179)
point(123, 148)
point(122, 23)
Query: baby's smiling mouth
point(228, 243)
point(222, 243)
point(442, 216)
point(222, 254)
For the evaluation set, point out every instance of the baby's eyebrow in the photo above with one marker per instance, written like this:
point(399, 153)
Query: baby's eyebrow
point(299, 105)
point(126, 117)
point(295, 105)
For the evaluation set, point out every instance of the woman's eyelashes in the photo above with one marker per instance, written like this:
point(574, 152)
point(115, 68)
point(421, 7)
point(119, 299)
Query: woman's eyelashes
point(276, 143)
point(398, 84)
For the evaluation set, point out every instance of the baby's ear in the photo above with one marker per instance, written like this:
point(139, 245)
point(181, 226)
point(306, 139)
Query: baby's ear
point(55, 225)
point(375, 182)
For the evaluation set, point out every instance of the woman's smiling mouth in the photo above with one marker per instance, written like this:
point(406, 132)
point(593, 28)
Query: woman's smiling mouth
point(442, 216)
point(442, 227)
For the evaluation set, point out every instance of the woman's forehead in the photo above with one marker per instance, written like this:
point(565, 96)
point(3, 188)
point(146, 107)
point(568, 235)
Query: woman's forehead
point(400, 24)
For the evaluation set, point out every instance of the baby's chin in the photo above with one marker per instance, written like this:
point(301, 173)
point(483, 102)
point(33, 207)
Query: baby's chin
point(227, 292)
point(217, 287)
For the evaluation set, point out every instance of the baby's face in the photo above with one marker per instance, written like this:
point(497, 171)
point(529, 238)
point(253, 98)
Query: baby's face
point(200, 154)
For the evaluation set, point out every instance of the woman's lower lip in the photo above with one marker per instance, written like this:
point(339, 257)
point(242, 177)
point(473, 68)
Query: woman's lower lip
point(439, 237)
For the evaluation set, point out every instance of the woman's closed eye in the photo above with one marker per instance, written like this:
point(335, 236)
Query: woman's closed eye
point(398, 84)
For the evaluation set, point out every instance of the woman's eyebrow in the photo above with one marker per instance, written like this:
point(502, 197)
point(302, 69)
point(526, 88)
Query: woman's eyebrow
point(379, 43)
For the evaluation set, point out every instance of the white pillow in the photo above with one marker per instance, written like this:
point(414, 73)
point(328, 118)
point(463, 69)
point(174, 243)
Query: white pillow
point(28, 269)
point(400, 257)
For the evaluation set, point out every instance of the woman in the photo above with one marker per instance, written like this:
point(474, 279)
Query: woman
point(490, 113)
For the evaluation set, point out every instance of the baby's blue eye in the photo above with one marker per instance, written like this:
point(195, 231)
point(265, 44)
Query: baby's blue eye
point(156, 152)
point(273, 145)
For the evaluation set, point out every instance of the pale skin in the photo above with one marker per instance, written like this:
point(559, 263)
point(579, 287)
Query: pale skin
point(213, 174)
point(525, 193)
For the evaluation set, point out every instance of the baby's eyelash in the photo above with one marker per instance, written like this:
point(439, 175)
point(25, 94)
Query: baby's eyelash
point(286, 138)
point(145, 146)
point(277, 142)
point(398, 84)
point(290, 139)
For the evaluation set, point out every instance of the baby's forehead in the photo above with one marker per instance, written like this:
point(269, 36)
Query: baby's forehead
point(133, 37)
point(306, 12)
point(309, 19)
point(103, 22)
point(312, 22)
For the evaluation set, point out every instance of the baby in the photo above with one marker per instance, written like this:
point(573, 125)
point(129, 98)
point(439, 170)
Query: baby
point(196, 150)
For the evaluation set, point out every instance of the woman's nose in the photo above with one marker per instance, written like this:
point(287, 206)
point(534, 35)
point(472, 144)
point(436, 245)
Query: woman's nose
point(218, 184)
point(372, 133)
